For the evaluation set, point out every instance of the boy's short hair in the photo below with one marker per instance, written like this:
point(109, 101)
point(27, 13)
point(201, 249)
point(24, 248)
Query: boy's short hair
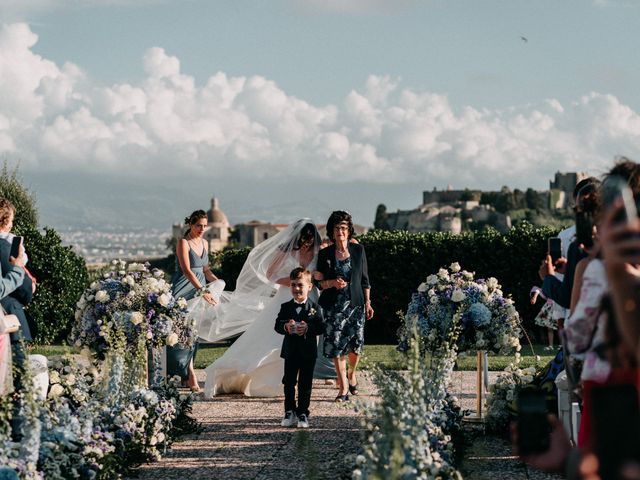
point(300, 272)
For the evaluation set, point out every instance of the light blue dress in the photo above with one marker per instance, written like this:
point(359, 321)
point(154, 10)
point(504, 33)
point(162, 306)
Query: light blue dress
point(178, 358)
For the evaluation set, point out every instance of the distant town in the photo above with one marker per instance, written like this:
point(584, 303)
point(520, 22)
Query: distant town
point(445, 210)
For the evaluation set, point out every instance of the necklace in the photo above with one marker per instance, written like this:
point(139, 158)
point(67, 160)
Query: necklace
point(342, 253)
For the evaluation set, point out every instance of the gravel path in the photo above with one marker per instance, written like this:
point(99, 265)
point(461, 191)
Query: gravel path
point(243, 439)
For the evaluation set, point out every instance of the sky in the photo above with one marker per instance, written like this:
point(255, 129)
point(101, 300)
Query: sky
point(125, 113)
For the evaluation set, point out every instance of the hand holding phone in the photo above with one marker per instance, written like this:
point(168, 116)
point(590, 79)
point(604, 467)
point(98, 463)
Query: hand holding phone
point(533, 424)
point(15, 247)
point(554, 248)
point(616, 187)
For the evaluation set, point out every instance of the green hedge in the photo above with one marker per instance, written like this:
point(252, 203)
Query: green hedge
point(400, 261)
point(62, 278)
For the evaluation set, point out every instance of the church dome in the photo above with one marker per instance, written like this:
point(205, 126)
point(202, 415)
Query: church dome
point(215, 215)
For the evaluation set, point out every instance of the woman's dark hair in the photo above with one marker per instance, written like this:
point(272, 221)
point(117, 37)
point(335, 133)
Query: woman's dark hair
point(337, 217)
point(6, 209)
point(307, 232)
point(193, 219)
point(586, 210)
point(629, 170)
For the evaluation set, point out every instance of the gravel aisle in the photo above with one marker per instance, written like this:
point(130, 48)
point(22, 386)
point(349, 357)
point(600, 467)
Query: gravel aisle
point(243, 439)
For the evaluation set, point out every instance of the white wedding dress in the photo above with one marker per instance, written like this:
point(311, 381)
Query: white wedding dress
point(252, 364)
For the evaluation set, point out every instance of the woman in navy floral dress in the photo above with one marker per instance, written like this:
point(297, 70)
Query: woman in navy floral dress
point(345, 299)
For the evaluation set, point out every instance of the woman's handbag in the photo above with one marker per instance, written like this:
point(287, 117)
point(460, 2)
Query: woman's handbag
point(8, 323)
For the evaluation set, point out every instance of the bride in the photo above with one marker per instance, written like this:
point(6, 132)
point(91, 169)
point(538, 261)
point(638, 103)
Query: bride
point(252, 365)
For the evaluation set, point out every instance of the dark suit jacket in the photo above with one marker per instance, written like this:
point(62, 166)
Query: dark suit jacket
point(359, 274)
point(306, 345)
point(560, 291)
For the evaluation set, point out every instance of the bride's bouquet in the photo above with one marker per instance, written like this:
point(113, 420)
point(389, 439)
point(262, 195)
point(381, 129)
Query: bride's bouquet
point(451, 309)
point(131, 307)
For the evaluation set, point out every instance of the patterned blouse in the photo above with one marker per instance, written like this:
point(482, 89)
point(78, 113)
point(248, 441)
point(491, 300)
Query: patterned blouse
point(585, 327)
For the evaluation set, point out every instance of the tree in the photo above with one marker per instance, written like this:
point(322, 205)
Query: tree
point(12, 189)
point(381, 222)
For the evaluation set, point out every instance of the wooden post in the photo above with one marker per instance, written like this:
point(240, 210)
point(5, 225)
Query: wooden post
point(478, 417)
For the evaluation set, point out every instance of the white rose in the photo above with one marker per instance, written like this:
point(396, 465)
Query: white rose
point(71, 379)
point(182, 303)
point(128, 280)
point(54, 377)
point(454, 267)
point(56, 390)
point(102, 296)
point(423, 287)
point(458, 295)
point(164, 300)
point(172, 339)
point(136, 318)
point(432, 279)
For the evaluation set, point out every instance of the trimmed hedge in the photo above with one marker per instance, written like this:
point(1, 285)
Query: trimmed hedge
point(62, 278)
point(399, 261)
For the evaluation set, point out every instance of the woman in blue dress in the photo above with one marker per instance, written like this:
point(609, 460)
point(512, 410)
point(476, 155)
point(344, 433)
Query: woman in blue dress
point(345, 299)
point(192, 274)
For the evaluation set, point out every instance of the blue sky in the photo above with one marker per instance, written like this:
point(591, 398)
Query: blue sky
point(345, 103)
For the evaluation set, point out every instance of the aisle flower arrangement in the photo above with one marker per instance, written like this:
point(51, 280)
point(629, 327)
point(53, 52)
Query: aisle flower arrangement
point(452, 309)
point(412, 433)
point(96, 422)
point(79, 432)
point(130, 308)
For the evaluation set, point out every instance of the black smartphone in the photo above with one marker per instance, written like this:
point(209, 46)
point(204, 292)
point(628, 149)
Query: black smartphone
point(554, 248)
point(15, 246)
point(533, 424)
point(616, 187)
point(616, 427)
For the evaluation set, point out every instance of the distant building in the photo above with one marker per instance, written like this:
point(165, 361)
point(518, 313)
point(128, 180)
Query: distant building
point(217, 232)
point(255, 232)
point(561, 189)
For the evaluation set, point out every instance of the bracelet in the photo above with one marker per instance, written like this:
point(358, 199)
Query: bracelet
point(202, 291)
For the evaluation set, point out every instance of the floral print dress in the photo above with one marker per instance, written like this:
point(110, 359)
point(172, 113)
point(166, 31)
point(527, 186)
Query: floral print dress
point(344, 322)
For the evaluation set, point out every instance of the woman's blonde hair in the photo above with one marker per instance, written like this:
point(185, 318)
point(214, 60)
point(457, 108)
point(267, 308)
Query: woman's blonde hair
point(6, 210)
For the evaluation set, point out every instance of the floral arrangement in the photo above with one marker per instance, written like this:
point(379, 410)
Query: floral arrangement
point(80, 432)
point(412, 432)
point(453, 310)
point(501, 403)
point(130, 307)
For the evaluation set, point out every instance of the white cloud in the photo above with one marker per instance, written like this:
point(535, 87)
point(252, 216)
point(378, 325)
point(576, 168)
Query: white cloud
point(55, 118)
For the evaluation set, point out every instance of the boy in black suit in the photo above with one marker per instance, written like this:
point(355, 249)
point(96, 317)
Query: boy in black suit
point(300, 321)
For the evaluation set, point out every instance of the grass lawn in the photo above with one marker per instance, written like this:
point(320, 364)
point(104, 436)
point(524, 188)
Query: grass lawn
point(373, 354)
point(390, 358)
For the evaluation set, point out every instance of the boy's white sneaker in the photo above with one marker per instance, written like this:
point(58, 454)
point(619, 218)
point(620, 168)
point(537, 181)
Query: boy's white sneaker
point(303, 421)
point(290, 419)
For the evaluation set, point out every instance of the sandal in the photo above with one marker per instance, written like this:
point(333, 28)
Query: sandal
point(353, 389)
point(342, 398)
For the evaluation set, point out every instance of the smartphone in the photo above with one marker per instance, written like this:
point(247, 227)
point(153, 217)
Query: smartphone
point(554, 248)
point(533, 425)
point(616, 187)
point(616, 427)
point(15, 246)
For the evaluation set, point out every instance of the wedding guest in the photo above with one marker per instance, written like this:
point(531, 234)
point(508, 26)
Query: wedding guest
point(12, 276)
point(345, 299)
point(621, 251)
point(560, 290)
point(300, 321)
point(15, 302)
point(192, 273)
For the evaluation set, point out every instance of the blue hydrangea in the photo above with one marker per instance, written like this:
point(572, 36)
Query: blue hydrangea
point(480, 315)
